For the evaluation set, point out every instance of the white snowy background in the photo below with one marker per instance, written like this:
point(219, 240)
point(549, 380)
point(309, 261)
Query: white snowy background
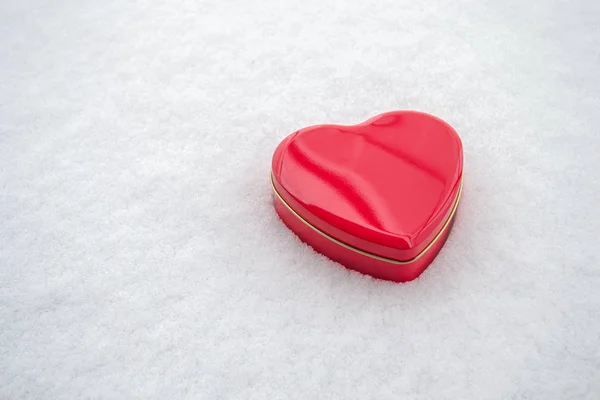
point(140, 257)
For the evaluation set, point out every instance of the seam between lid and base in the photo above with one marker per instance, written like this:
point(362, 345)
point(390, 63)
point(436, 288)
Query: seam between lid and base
point(371, 255)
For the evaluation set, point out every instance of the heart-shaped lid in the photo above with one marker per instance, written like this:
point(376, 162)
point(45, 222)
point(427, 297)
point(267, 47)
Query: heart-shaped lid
point(385, 186)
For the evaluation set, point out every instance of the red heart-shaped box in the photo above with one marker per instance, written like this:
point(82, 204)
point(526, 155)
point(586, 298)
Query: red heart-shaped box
point(379, 197)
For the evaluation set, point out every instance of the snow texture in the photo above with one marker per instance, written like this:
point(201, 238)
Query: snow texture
point(140, 256)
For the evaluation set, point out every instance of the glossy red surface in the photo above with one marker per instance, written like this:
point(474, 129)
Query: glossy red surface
point(385, 186)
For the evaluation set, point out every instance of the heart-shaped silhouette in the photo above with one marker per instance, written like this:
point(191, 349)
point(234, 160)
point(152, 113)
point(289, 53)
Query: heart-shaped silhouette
point(378, 197)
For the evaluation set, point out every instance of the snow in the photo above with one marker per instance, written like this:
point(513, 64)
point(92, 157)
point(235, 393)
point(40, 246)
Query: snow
point(140, 256)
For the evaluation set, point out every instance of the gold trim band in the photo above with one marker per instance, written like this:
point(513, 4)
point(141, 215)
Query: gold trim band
point(364, 253)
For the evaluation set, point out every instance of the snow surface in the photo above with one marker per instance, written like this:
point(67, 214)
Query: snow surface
point(140, 256)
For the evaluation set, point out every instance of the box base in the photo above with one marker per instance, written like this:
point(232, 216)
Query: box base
point(373, 266)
